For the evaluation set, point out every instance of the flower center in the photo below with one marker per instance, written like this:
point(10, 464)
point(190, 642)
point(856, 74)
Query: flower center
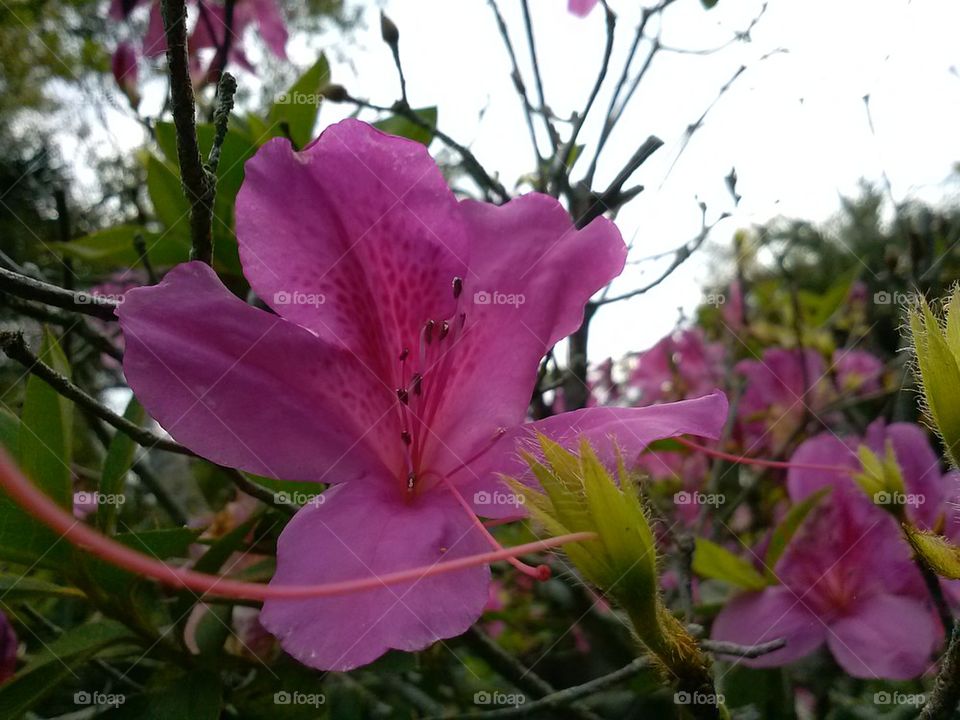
point(422, 383)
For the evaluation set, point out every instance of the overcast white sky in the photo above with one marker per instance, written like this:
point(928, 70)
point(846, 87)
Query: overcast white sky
point(794, 125)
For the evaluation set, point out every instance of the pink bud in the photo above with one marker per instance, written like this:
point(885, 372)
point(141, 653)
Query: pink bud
point(124, 66)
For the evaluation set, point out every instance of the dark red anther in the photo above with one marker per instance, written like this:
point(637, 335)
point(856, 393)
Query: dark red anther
point(444, 329)
point(411, 481)
point(457, 287)
point(463, 320)
point(415, 383)
point(404, 354)
point(403, 396)
point(428, 330)
point(405, 436)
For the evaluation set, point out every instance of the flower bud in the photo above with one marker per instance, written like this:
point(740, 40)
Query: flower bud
point(937, 350)
point(388, 30)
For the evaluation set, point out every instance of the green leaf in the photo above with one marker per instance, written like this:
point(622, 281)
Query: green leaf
point(157, 544)
point(116, 465)
point(297, 108)
point(291, 492)
point(45, 430)
point(16, 587)
point(818, 308)
point(195, 695)
point(10, 433)
point(114, 247)
point(787, 528)
point(166, 194)
point(713, 561)
point(48, 670)
point(404, 127)
point(941, 554)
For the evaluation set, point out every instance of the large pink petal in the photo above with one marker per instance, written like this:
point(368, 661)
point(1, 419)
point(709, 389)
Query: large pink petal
point(607, 428)
point(531, 273)
point(774, 613)
point(356, 237)
point(245, 388)
point(356, 533)
point(885, 636)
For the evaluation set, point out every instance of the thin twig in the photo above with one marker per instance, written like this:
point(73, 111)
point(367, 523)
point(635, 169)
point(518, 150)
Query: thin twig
point(199, 185)
point(225, 93)
point(565, 697)
point(719, 647)
point(81, 326)
point(945, 695)
point(521, 89)
point(515, 671)
point(13, 344)
point(30, 289)
point(560, 161)
point(470, 162)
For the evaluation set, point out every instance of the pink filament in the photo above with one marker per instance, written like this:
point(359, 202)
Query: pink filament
point(24, 494)
point(743, 460)
point(541, 572)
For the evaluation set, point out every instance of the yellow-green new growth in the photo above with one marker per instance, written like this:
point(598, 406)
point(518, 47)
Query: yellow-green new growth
point(937, 349)
point(580, 495)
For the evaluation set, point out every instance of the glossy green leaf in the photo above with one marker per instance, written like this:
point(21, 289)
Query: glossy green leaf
point(117, 463)
point(17, 587)
point(166, 194)
point(404, 127)
point(297, 108)
point(49, 669)
point(45, 430)
point(195, 695)
point(114, 247)
point(787, 528)
point(713, 561)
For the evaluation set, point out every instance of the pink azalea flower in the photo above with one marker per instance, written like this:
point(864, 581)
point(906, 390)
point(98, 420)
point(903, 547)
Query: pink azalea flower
point(925, 484)
point(124, 67)
point(210, 28)
point(581, 8)
point(857, 371)
point(847, 582)
point(781, 388)
point(847, 577)
point(8, 649)
point(398, 368)
point(681, 365)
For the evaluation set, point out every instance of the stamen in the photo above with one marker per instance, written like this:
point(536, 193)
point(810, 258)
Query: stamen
point(403, 396)
point(405, 436)
point(444, 329)
point(415, 383)
point(404, 354)
point(743, 460)
point(46, 511)
point(541, 572)
point(428, 331)
point(457, 287)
